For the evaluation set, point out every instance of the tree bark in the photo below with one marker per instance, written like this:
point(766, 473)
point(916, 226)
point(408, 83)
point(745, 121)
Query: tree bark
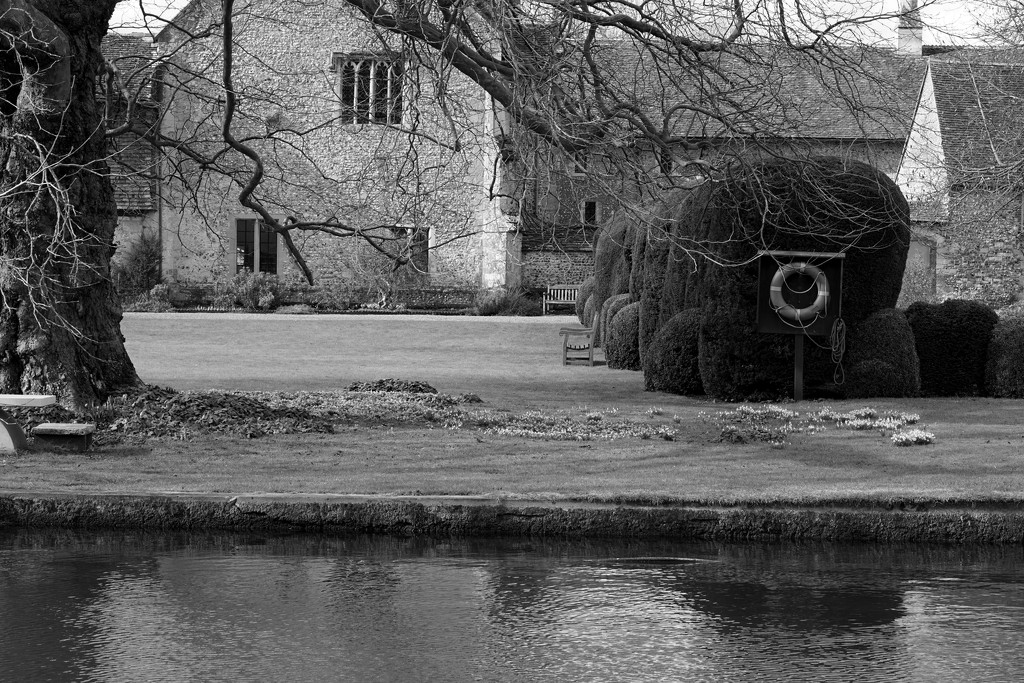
point(59, 313)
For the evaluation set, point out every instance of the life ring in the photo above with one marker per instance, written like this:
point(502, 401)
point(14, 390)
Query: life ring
point(788, 311)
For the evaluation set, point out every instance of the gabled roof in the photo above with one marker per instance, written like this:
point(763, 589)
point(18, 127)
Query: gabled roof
point(133, 55)
point(981, 113)
point(760, 90)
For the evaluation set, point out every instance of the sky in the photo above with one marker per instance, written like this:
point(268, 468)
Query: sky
point(128, 17)
point(945, 21)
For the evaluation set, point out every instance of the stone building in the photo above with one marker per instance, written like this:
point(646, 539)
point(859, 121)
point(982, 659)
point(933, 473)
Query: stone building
point(355, 132)
point(960, 173)
point(350, 132)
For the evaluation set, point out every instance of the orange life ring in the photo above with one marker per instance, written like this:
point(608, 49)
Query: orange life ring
point(788, 311)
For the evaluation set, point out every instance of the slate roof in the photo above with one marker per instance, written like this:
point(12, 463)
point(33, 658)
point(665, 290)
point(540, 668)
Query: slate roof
point(133, 55)
point(132, 161)
point(766, 93)
point(981, 113)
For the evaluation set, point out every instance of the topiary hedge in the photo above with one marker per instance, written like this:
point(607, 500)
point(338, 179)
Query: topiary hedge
point(612, 305)
point(818, 205)
point(881, 358)
point(584, 293)
point(952, 341)
point(623, 344)
point(588, 311)
point(671, 362)
point(690, 220)
point(1004, 371)
point(655, 258)
point(611, 262)
point(636, 266)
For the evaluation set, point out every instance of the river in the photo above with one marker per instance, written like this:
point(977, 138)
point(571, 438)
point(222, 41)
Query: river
point(141, 606)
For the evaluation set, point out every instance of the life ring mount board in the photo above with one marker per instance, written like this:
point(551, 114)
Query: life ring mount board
point(799, 292)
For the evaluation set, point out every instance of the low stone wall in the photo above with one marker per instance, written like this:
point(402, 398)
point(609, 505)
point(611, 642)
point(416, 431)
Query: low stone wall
point(481, 517)
point(543, 268)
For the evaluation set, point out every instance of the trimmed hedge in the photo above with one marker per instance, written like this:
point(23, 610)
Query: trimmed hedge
point(821, 205)
point(882, 360)
point(623, 344)
point(655, 257)
point(611, 268)
point(585, 290)
point(588, 311)
point(612, 305)
point(691, 221)
point(671, 363)
point(636, 266)
point(737, 363)
point(952, 340)
point(1004, 372)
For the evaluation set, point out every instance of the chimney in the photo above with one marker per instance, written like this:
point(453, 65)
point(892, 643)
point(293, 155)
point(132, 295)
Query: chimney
point(910, 37)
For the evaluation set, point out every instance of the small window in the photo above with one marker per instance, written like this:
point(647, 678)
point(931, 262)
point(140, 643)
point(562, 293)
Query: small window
point(588, 212)
point(418, 243)
point(255, 251)
point(370, 89)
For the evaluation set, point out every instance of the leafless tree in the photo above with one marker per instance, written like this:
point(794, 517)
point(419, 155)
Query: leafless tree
point(233, 122)
point(691, 85)
point(644, 96)
point(60, 317)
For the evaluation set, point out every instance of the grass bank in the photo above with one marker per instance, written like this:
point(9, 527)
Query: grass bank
point(544, 432)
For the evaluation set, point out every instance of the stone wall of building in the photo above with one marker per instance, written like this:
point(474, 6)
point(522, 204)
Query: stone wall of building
point(980, 250)
point(543, 268)
point(359, 175)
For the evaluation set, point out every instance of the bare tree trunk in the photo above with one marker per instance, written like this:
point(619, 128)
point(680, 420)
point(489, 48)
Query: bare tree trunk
point(60, 318)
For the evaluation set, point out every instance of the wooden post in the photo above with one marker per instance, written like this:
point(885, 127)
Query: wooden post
point(798, 367)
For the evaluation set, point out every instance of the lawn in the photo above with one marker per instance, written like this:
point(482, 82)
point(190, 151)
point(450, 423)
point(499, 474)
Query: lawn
point(671, 447)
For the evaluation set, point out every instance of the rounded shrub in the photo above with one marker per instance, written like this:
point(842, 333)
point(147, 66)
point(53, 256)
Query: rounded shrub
point(736, 362)
point(622, 349)
point(881, 358)
point(816, 205)
point(671, 362)
point(255, 291)
point(952, 341)
point(136, 271)
point(502, 301)
point(1004, 371)
point(602, 330)
point(584, 293)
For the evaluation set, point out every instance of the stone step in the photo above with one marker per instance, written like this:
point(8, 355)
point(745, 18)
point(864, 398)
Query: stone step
point(71, 435)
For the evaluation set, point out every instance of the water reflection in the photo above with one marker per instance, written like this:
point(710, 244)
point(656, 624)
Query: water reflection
point(180, 607)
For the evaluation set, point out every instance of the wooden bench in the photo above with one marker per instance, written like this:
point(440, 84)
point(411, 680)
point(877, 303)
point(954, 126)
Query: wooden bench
point(577, 345)
point(560, 295)
point(12, 437)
